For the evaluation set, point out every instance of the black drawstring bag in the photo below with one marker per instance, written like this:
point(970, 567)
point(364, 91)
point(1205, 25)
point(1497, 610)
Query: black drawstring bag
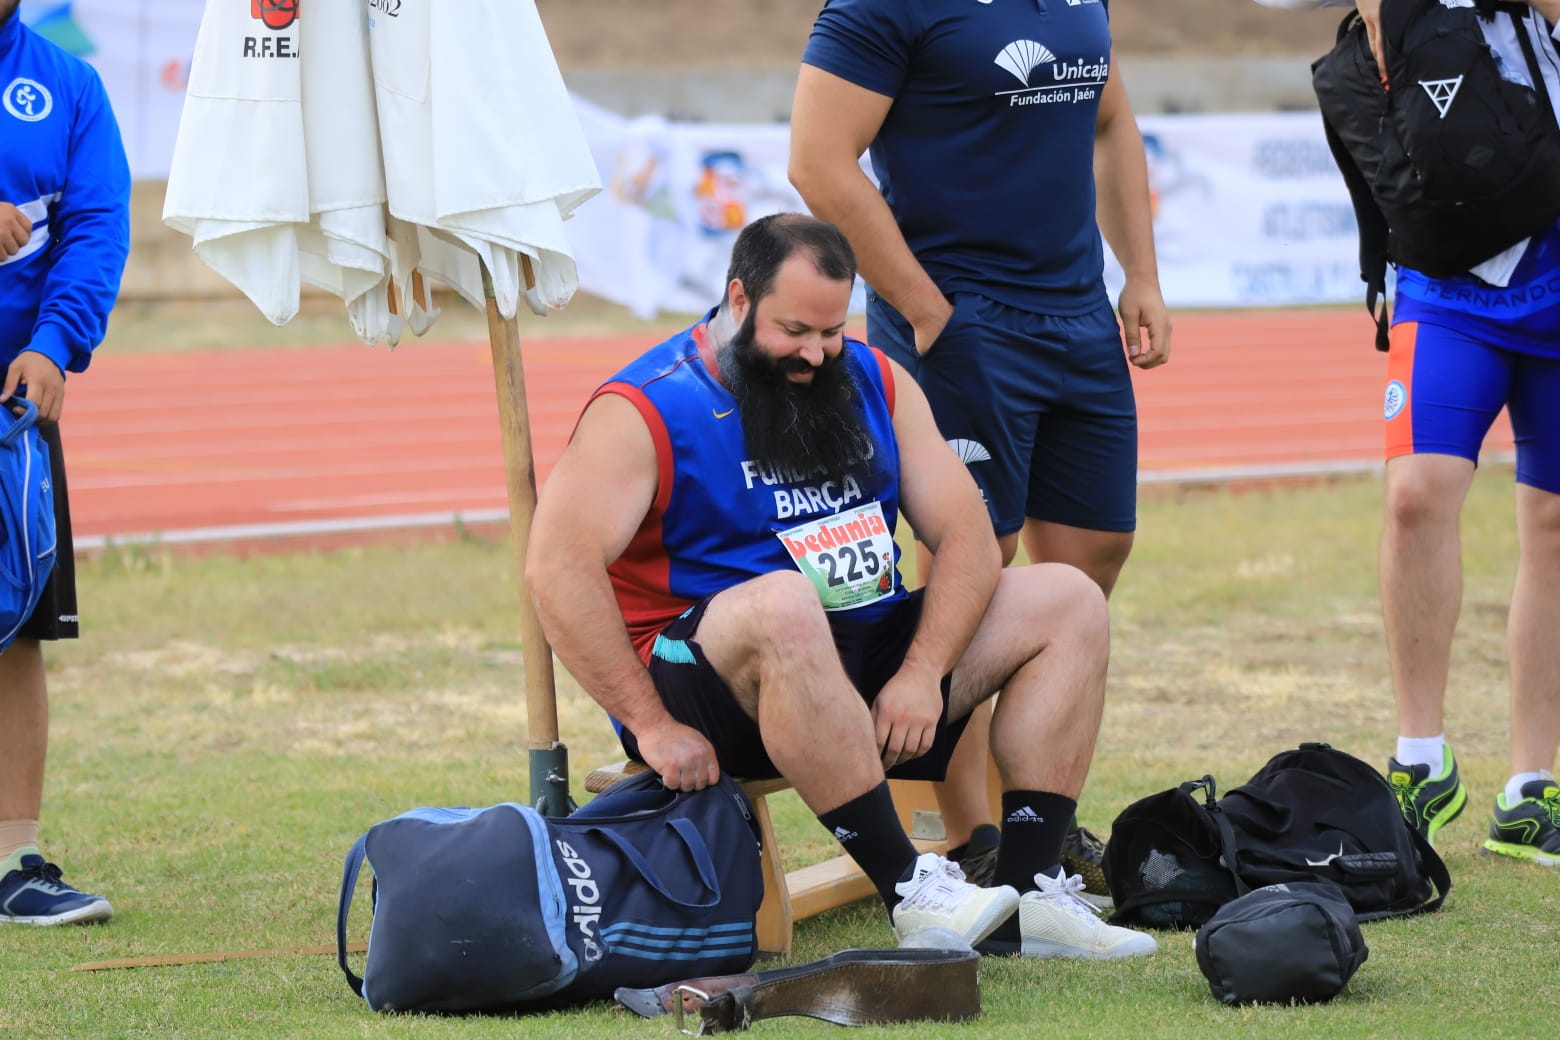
point(1298, 942)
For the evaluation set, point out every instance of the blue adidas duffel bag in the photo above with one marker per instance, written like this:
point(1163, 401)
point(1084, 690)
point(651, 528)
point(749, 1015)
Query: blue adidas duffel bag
point(503, 909)
point(27, 545)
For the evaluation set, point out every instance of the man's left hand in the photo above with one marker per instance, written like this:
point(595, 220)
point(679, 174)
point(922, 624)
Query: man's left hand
point(15, 229)
point(1146, 322)
point(44, 381)
point(905, 715)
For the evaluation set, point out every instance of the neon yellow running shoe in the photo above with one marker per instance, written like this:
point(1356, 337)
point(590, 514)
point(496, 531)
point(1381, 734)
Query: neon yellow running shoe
point(1530, 829)
point(1428, 802)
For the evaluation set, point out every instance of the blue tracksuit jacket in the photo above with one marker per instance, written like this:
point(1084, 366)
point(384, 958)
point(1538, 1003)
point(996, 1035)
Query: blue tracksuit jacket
point(63, 164)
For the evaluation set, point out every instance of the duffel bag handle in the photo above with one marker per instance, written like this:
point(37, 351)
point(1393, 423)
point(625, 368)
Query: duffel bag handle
point(20, 423)
point(692, 840)
point(349, 876)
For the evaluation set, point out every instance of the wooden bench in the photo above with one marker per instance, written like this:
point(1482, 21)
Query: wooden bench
point(791, 896)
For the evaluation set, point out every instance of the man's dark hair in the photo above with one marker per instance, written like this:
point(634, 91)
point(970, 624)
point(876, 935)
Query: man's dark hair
point(769, 242)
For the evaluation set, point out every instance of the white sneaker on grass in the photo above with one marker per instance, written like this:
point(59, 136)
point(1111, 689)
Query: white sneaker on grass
point(1056, 922)
point(937, 896)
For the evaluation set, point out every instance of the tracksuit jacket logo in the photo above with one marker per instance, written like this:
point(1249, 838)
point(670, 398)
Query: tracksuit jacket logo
point(28, 100)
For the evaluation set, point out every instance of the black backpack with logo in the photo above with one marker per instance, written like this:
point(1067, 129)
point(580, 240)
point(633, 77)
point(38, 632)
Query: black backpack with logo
point(1447, 163)
point(1310, 814)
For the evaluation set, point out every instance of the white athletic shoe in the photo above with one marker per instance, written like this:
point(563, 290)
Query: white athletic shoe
point(1057, 922)
point(937, 896)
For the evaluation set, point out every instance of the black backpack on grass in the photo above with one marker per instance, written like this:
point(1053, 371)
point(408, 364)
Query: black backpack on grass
point(1310, 814)
point(1446, 162)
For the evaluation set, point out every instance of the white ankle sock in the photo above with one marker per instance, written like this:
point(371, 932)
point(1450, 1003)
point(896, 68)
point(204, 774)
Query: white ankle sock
point(1422, 751)
point(1514, 785)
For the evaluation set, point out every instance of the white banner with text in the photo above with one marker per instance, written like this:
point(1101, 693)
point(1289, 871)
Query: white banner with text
point(1248, 209)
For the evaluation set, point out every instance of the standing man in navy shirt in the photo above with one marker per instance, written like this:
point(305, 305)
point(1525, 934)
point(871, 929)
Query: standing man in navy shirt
point(64, 237)
point(1003, 143)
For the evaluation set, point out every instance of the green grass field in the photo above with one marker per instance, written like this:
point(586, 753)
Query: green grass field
point(227, 726)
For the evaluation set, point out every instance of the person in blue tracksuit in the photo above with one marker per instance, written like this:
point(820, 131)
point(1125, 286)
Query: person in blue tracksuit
point(64, 237)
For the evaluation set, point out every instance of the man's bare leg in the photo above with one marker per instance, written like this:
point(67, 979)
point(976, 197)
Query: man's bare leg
point(964, 796)
point(1421, 582)
point(769, 639)
point(24, 738)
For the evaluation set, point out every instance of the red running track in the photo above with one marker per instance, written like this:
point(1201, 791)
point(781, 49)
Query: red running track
point(218, 446)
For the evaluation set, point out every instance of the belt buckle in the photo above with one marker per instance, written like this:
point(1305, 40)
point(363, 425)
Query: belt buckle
point(677, 1008)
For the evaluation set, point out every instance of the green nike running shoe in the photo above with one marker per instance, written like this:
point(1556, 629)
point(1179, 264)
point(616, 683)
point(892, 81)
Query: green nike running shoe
point(1428, 802)
point(1530, 829)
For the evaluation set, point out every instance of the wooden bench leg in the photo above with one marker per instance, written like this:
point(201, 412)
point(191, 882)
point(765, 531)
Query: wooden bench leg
point(774, 914)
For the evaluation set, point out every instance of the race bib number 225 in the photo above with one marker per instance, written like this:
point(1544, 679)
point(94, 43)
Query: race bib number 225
point(849, 556)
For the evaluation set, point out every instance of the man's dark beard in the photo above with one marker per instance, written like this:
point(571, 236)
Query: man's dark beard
point(799, 429)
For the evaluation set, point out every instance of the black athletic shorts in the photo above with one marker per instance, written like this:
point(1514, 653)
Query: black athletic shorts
point(696, 696)
point(55, 615)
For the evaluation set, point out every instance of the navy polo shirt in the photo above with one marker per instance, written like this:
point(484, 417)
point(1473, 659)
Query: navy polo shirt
point(986, 157)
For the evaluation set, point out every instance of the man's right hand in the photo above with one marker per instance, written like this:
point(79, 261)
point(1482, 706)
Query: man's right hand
point(15, 230)
point(681, 754)
point(930, 325)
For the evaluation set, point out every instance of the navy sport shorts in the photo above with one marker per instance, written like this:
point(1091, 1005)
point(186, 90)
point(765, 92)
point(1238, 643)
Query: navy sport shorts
point(696, 696)
point(1039, 407)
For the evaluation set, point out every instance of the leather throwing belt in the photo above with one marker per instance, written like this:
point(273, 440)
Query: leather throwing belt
point(850, 988)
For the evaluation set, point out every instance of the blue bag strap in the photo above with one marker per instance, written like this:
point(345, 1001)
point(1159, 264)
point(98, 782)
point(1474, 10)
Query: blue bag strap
point(349, 876)
point(692, 839)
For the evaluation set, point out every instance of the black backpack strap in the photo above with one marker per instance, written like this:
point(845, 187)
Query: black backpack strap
point(1367, 216)
point(1435, 869)
point(1373, 236)
point(1227, 843)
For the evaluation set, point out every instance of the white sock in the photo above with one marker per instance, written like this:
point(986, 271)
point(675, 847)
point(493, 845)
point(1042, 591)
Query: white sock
point(1514, 785)
point(1422, 751)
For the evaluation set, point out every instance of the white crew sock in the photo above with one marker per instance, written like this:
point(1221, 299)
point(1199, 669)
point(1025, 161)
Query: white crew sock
point(1422, 751)
point(1514, 785)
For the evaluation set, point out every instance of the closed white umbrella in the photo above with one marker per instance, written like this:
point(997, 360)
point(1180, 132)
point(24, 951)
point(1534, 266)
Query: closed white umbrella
point(368, 148)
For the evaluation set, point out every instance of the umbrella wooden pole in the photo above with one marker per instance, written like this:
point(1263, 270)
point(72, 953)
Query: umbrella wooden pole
point(549, 759)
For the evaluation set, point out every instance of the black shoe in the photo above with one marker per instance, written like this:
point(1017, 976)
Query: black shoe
point(1530, 829)
point(1428, 803)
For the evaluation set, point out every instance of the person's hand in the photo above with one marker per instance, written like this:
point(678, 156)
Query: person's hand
point(44, 381)
point(1145, 320)
point(15, 230)
point(929, 326)
point(681, 754)
point(1370, 14)
point(905, 715)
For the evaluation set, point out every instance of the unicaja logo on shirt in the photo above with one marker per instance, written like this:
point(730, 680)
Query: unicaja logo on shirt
point(1022, 56)
point(275, 14)
point(28, 100)
point(1076, 80)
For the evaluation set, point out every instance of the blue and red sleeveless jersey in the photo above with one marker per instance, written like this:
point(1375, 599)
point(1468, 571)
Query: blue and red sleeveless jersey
point(718, 514)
